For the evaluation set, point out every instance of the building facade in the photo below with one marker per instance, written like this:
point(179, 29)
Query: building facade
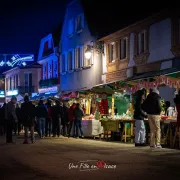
point(49, 59)
point(21, 80)
point(147, 46)
point(80, 62)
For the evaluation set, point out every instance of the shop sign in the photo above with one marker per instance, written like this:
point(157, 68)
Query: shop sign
point(12, 93)
point(53, 89)
point(2, 94)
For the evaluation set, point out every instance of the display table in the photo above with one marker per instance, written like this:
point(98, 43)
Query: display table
point(92, 128)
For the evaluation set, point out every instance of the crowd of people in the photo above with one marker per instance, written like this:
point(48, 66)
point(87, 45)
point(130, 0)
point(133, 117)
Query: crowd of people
point(150, 107)
point(47, 119)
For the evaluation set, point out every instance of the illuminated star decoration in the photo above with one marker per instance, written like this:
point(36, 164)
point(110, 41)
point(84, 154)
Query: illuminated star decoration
point(17, 59)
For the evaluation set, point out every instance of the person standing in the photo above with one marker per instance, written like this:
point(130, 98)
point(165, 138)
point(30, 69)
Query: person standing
point(11, 118)
point(177, 103)
point(18, 125)
point(139, 115)
point(71, 120)
point(3, 110)
point(48, 126)
point(28, 118)
point(152, 107)
point(57, 115)
point(78, 115)
point(41, 115)
point(65, 119)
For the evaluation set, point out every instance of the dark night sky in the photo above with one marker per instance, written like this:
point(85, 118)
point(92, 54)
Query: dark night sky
point(24, 23)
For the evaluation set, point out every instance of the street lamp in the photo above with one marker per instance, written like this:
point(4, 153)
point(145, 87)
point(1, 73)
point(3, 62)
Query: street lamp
point(88, 52)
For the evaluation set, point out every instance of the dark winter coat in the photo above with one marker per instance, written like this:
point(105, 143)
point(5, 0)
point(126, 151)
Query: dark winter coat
point(57, 112)
point(27, 113)
point(41, 111)
point(139, 114)
point(78, 113)
point(65, 119)
point(152, 104)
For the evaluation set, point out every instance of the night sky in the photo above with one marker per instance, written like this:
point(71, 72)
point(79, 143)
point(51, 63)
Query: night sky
point(24, 23)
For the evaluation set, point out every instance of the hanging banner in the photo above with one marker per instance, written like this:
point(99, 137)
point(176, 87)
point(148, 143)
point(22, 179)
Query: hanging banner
point(159, 80)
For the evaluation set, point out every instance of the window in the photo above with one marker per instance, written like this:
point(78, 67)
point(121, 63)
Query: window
point(50, 70)
point(79, 22)
point(14, 82)
point(141, 42)
point(55, 69)
point(123, 48)
point(63, 63)
point(10, 84)
point(78, 58)
point(70, 60)
point(17, 80)
point(87, 62)
point(28, 79)
point(70, 27)
point(112, 52)
point(44, 72)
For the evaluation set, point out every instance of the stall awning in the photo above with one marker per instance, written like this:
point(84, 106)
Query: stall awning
point(43, 95)
point(156, 73)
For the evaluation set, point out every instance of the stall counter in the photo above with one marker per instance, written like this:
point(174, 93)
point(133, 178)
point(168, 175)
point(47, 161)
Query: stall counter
point(92, 128)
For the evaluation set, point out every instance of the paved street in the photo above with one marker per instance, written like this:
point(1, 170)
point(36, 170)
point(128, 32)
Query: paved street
point(51, 159)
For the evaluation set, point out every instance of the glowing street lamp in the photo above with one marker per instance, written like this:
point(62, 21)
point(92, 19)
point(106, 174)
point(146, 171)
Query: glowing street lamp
point(88, 52)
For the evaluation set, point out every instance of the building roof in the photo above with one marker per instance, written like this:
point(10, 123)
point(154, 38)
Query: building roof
point(107, 17)
point(30, 66)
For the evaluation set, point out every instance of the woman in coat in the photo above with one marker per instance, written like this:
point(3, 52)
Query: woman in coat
point(139, 115)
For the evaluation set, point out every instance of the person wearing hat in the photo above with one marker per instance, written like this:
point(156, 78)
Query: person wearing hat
point(152, 107)
point(28, 117)
point(11, 118)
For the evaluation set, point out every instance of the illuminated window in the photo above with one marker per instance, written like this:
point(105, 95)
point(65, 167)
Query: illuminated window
point(78, 58)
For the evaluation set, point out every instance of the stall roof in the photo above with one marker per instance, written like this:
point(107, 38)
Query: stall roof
point(152, 74)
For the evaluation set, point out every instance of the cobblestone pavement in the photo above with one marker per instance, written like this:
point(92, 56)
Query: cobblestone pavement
point(51, 159)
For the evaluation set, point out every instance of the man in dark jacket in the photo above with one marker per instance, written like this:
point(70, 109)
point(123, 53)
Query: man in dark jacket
point(152, 107)
point(78, 115)
point(57, 115)
point(41, 115)
point(48, 127)
point(28, 118)
point(139, 115)
point(11, 118)
point(65, 119)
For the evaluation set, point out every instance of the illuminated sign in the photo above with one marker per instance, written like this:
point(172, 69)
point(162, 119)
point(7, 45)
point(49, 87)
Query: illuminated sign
point(12, 93)
point(2, 94)
point(53, 89)
point(19, 60)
